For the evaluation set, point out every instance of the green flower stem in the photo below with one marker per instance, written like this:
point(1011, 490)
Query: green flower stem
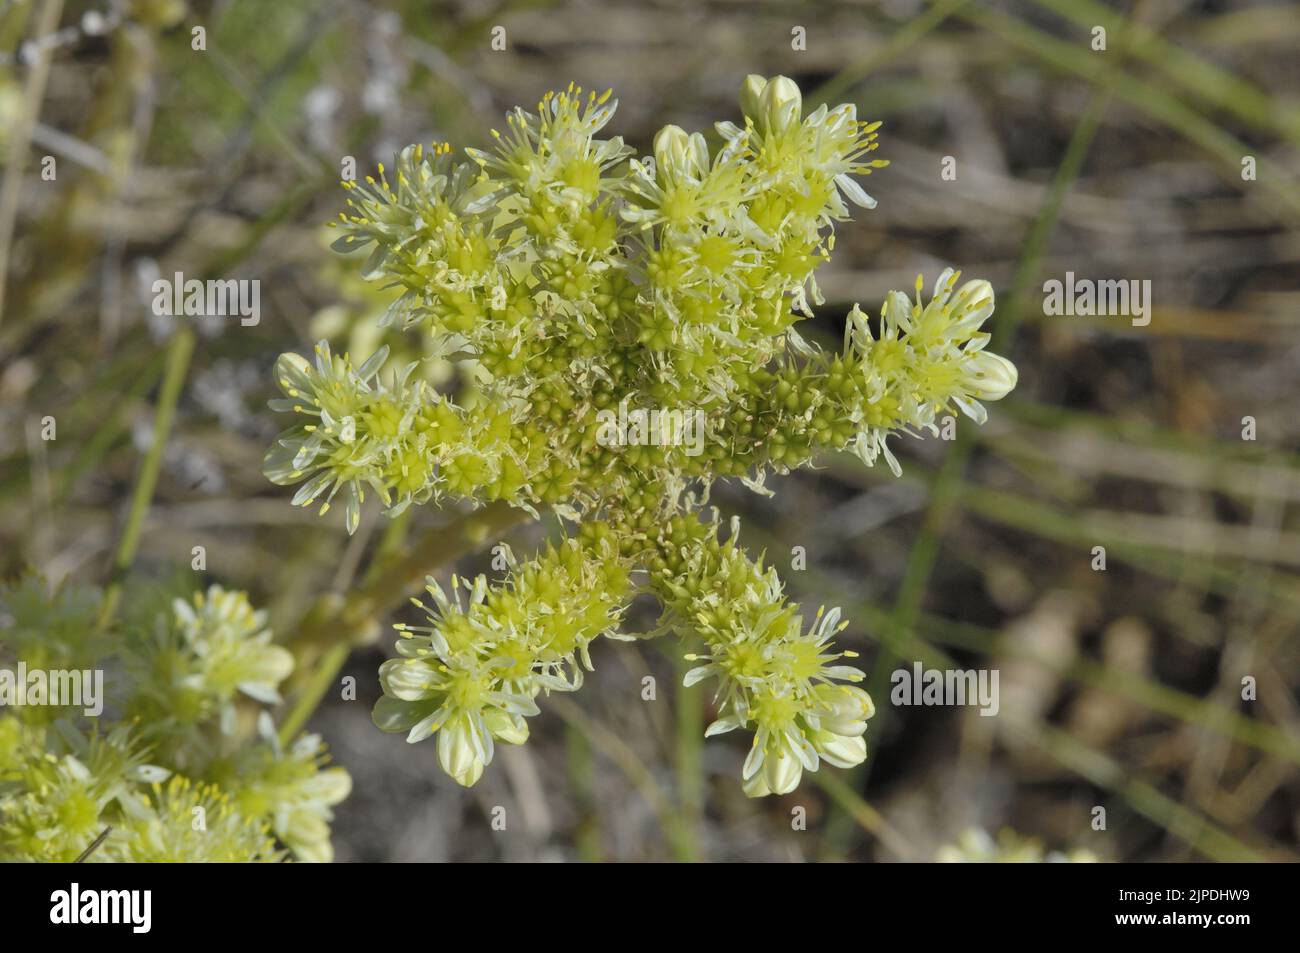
point(111, 429)
point(588, 833)
point(178, 362)
point(335, 618)
point(391, 541)
point(689, 705)
point(309, 700)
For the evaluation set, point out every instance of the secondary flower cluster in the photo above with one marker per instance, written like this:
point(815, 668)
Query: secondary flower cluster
point(179, 777)
point(565, 275)
point(773, 677)
point(214, 647)
point(472, 675)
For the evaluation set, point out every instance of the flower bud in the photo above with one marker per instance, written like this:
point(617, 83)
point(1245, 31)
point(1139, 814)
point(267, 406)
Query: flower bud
point(992, 376)
point(844, 709)
point(405, 679)
point(293, 374)
point(456, 752)
point(756, 786)
point(750, 91)
point(780, 104)
point(898, 309)
point(679, 155)
point(839, 750)
point(781, 770)
point(305, 828)
point(506, 728)
point(974, 304)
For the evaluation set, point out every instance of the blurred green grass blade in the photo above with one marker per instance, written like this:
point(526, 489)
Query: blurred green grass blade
point(587, 836)
point(1099, 769)
point(1048, 522)
point(634, 769)
point(898, 43)
point(1078, 59)
point(110, 429)
point(867, 817)
point(1147, 692)
point(1196, 79)
point(1034, 517)
point(179, 352)
point(1201, 834)
point(1144, 433)
point(1012, 312)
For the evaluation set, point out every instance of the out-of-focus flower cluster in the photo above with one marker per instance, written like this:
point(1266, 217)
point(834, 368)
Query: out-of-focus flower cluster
point(571, 279)
point(977, 846)
point(182, 764)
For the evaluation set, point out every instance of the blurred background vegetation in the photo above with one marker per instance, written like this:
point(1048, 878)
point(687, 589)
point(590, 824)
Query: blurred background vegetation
point(1120, 688)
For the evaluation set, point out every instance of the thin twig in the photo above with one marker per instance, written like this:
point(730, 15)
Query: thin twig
point(81, 859)
point(22, 134)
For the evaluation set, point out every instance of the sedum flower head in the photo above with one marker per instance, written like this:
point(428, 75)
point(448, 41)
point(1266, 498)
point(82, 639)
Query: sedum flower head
point(195, 823)
point(570, 278)
point(783, 682)
point(474, 673)
point(230, 640)
point(928, 359)
point(214, 647)
point(294, 788)
point(58, 794)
